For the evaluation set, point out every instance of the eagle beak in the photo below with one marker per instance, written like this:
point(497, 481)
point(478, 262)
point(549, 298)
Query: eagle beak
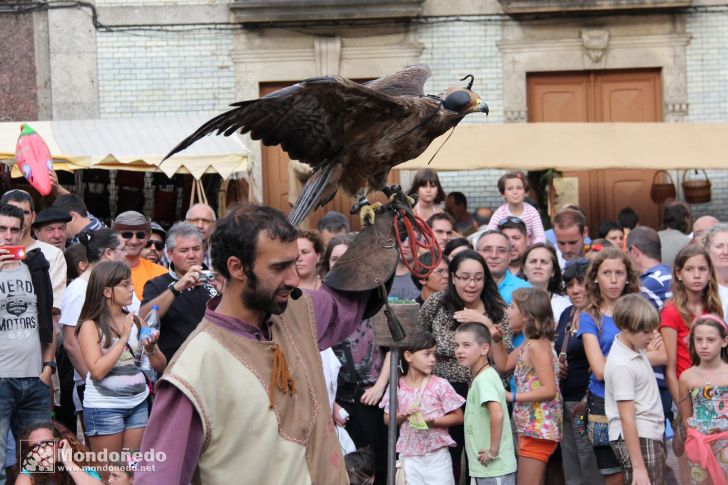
point(482, 107)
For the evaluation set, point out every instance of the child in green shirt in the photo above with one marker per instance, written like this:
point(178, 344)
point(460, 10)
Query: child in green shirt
point(488, 437)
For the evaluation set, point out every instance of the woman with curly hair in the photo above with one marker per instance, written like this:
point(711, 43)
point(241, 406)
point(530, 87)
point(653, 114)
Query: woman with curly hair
point(42, 445)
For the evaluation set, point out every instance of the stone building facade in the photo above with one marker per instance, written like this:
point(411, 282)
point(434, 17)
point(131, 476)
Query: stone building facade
point(136, 58)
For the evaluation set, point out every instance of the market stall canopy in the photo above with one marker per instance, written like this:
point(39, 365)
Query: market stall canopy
point(137, 144)
point(579, 146)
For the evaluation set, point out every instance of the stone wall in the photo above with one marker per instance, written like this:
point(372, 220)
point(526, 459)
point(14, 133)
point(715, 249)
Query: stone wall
point(707, 66)
point(160, 73)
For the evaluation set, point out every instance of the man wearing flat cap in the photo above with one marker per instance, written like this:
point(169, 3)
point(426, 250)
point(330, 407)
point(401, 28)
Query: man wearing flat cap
point(50, 227)
point(135, 229)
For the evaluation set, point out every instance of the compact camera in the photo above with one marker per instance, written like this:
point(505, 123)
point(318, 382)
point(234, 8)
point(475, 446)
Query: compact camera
point(206, 275)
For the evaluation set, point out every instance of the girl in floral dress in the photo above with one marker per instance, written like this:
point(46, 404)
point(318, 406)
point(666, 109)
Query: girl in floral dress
point(537, 405)
point(704, 406)
point(426, 406)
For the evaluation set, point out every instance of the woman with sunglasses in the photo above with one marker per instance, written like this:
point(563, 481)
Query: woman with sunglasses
point(577, 455)
point(471, 296)
point(114, 404)
point(541, 269)
point(101, 245)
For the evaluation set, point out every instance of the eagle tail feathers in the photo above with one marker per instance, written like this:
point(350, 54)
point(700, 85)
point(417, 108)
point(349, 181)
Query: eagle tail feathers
point(313, 195)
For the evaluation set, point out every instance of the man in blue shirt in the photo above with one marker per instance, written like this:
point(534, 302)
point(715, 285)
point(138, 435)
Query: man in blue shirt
point(495, 247)
point(644, 250)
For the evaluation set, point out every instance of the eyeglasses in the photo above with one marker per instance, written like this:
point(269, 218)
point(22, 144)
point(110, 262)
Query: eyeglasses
point(440, 271)
point(130, 234)
point(477, 279)
point(200, 220)
point(158, 245)
point(125, 284)
point(511, 220)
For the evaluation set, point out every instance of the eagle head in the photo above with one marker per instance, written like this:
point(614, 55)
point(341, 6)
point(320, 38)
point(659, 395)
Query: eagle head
point(463, 100)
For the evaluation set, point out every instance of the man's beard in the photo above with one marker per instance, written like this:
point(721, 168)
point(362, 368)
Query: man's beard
point(257, 297)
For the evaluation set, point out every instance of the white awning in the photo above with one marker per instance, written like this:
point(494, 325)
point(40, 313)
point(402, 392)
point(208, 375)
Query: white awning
point(578, 146)
point(137, 144)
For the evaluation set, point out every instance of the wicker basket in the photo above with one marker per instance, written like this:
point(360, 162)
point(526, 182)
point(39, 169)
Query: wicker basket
point(407, 315)
point(696, 191)
point(660, 192)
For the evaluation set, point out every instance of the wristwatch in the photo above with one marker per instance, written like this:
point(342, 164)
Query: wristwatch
point(51, 364)
point(174, 290)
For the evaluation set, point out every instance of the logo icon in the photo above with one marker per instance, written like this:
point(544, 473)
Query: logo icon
point(39, 457)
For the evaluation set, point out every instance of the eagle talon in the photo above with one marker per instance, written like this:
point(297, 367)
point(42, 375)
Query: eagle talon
point(366, 212)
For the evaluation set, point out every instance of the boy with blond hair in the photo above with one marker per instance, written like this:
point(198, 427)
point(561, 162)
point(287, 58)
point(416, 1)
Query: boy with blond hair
point(632, 399)
point(488, 437)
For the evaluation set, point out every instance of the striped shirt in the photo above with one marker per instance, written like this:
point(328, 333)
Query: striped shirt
point(530, 217)
point(655, 284)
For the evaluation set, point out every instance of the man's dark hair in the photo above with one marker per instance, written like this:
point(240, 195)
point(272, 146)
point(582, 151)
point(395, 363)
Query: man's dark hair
point(8, 210)
point(441, 216)
point(609, 226)
point(17, 195)
point(676, 216)
point(237, 234)
point(453, 244)
point(333, 221)
point(459, 198)
point(646, 240)
point(71, 202)
point(628, 217)
point(360, 466)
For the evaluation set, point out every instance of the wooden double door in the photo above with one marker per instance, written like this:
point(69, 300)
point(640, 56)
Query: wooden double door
point(602, 96)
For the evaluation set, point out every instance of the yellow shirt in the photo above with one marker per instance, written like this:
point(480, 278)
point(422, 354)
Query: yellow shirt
point(143, 272)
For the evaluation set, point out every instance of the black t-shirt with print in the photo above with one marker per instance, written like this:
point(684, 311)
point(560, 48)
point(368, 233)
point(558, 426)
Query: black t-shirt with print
point(183, 315)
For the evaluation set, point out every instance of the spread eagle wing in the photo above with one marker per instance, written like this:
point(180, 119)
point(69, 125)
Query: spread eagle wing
point(309, 119)
point(314, 121)
point(410, 81)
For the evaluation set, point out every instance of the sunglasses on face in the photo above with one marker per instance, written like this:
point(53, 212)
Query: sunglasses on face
point(158, 245)
point(131, 234)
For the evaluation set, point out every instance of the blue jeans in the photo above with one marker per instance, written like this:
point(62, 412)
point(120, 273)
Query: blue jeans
point(24, 401)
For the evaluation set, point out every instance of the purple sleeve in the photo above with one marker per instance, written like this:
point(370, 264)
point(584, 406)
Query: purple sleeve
point(337, 314)
point(174, 428)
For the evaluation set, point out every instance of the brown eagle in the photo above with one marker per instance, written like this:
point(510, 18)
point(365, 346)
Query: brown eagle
point(351, 134)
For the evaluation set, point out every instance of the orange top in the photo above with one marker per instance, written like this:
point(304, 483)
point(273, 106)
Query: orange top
point(143, 272)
